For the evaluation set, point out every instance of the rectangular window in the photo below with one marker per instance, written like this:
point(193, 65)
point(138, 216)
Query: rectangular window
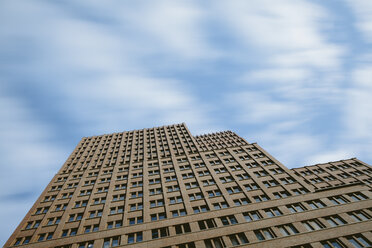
point(136, 220)
point(287, 229)
point(206, 224)
point(358, 241)
point(182, 228)
point(359, 215)
point(265, 233)
point(315, 204)
point(272, 212)
point(134, 237)
point(337, 200)
point(228, 220)
point(160, 232)
point(158, 216)
point(335, 220)
point(252, 216)
point(357, 196)
point(214, 243)
point(313, 225)
point(238, 239)
point(332, 243)
point(111, 242)
point(297, 207)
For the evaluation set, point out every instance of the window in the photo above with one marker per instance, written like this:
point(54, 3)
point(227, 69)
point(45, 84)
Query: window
point(136, 194)
point(26, 240)
point(220, 205)
point(316, 204)
point(297, 207)
point(117, 210)
point(52, 221)
point(33, 224)
point(359, 215)
point(302, 246)
point(270, 183)
point(120, 197)
point(120, 186)
point(356, 196)
point(134, 237)
point(359, 241)
point(136, 206)
point(238, 239)
point(281, 194)
point(160, 232)
point(336, 200)
point(214, 193)
point(226, 179)
point(136, 220)
point(60, 207)
point(287, 229)
point(214, 243)
point(243, 176)
point(92, 228)
point(187, 175)
point(88, 244)
point(75, 217)
point(206, 224)
point(156, 203)
point(182, 228)
point(81, 204)
point(232, 190)
point(69, 232)
point(271, 212)
point(241, 201)
point(97, 213)
point(335, 220)
point(173, 188)
point(116, 224)
point(191, 185)
point(137, 184)
point(228, 220)
point(172, 178)
point(174, 200)
point(332, 243)
point(155, 191)
point(265, 233)
point(252, 216)
point(180, 212)
point(198, 209)
point(196, 196)
point(208, 182)
point(313, 225)
point(260, 198)
point(155, 180)
point(41, 237)
point(158, 216)
point(186, 245)
point(111, 242)
point(252, 186)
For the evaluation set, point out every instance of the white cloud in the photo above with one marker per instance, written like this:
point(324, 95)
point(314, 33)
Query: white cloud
point(259, 108)
point(358, 107)
point(287, 33)
point(363, 14)
point(329, 156)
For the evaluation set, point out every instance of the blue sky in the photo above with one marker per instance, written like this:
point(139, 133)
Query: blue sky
point(293, 76)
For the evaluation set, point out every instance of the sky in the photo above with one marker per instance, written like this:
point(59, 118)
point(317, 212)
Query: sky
point(293, 76)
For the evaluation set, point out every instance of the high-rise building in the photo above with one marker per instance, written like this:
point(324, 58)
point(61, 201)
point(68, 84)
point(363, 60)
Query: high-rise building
point(163, 187)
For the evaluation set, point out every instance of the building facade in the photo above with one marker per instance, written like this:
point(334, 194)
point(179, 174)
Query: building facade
point(162, 187)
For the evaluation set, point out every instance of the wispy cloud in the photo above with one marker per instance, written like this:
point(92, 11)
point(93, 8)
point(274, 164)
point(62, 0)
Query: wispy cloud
point(363, 15)
point(278, 71)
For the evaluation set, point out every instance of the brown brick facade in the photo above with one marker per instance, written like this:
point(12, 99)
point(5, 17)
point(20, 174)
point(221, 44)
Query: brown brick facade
point(163, 187)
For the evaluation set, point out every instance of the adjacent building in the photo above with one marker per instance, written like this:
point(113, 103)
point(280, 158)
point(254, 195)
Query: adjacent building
point(162, 187)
